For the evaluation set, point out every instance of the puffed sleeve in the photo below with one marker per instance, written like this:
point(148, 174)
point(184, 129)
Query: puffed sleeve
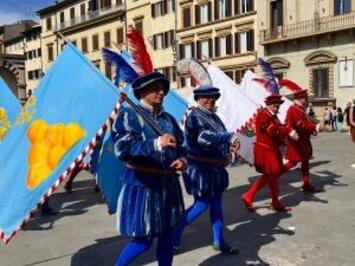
point(128, 138)
point(206, 137)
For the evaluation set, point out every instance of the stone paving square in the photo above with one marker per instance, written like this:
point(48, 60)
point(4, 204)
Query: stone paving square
point(320, 230)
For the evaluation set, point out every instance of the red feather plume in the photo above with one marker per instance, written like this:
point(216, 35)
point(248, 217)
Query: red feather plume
point(141, 60)
point(293, 86)
point(261, 81)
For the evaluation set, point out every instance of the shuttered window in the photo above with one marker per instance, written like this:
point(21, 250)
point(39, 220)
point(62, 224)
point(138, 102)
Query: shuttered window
point(321, 82)
point(186, 17)
point(120, 36)
point(107, 39)
point(95, 43)
point(84, 45)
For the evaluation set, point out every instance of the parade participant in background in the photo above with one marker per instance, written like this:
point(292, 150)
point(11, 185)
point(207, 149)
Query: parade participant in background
point(270, 135)
point(81, 166)
point(347, 115)
point(46, 209)
point(352, 124)
point(151, 202)
point(208, 146)
point(300, 150)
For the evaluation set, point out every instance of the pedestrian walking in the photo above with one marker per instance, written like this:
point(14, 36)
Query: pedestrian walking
point(150, 202)
point(340, 119)
point(270, 135)
point(326, 119)
point(300, 150)
point(208, 147)
point(347, 114)
point(333, 118)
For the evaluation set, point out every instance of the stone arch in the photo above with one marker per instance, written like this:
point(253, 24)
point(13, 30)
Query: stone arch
point(320, 57)
point(12, 70)
point(10, 78)
point(279, 63)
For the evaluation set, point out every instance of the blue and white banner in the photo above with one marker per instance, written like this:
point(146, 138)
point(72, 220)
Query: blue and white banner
point(69, 108)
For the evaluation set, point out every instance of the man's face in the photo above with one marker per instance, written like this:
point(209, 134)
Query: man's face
point(153, 94)
point(303, 101)
point(208, 102)
point(274, 107)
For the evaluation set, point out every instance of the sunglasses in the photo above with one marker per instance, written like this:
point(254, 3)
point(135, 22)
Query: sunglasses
point(210, 97)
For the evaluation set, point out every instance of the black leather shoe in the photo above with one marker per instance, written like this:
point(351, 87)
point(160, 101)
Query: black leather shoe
point(46, 210)
point(177, 249)
point(226, 249)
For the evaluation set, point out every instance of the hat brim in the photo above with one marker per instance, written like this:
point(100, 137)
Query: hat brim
point(273, 99)
point(143, 86)
point(301, 94)
point(198, 95)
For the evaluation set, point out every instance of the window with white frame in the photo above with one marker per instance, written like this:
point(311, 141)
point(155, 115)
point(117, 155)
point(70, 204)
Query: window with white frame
point(188, 50)
point(222, 8)
point(158, 8)
point(246, 5)
point(205, 49)
point(204, 13)
point(170, 5)
point(243, 42)
point(223, 46)
point(159, 41)
point(342, 7)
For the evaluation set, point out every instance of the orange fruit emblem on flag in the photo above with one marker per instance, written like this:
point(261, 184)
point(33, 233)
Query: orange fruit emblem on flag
point(49, 143)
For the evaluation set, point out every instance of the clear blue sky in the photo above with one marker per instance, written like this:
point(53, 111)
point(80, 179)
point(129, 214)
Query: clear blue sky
point(13, 10)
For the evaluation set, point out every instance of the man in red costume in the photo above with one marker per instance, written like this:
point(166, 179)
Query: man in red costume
point(270, 134)
point(300, 151)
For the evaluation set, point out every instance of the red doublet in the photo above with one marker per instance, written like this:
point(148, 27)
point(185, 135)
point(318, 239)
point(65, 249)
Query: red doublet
point(301, 149)
point(270, 134)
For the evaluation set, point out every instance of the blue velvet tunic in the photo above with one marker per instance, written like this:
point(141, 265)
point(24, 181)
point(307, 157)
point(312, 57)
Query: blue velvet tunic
point(148, 204)
point(206, 140)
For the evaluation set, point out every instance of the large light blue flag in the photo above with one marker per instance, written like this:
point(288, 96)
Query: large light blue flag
point(108, 168)
point(9, 108)
point(71, 104)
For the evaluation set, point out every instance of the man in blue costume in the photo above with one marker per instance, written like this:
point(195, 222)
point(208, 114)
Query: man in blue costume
point(151, 202)
point(208, 147)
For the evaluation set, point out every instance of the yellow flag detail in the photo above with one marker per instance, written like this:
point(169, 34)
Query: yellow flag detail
point(49, 143)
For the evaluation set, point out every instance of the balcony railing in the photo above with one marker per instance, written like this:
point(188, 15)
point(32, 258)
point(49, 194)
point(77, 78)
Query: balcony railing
point(308, 28)
point(91, 15)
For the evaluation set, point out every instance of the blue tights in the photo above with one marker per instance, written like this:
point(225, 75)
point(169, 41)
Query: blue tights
point(216, 216)
point(138, 246)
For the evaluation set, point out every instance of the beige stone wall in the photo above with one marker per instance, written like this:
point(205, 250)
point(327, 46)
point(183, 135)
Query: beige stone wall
point(107, 22)
point(216, 28)
point(15, 48)
point(32, 64)
point(142, 11)
point(333, 47)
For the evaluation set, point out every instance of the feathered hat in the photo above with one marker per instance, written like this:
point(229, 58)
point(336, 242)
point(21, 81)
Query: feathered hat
point(206, 90)
point(298, 91)
point(199, 75)
point(142, 64)
point(270, 83)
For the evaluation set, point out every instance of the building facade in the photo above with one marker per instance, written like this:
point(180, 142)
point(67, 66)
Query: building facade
point(311, 42)
point(88, 24)
point(156, 21)
point(218, 31)
point(12, 58)
point(33, 54)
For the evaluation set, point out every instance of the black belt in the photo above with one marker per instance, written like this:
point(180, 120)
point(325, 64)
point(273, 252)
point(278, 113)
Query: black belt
point(151, 170)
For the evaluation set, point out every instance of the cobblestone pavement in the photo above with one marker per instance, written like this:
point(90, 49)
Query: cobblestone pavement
point(320, 230)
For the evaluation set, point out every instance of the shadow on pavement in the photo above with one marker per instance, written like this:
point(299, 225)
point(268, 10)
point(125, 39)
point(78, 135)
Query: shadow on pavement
point(76, 203)
point(248, 231)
